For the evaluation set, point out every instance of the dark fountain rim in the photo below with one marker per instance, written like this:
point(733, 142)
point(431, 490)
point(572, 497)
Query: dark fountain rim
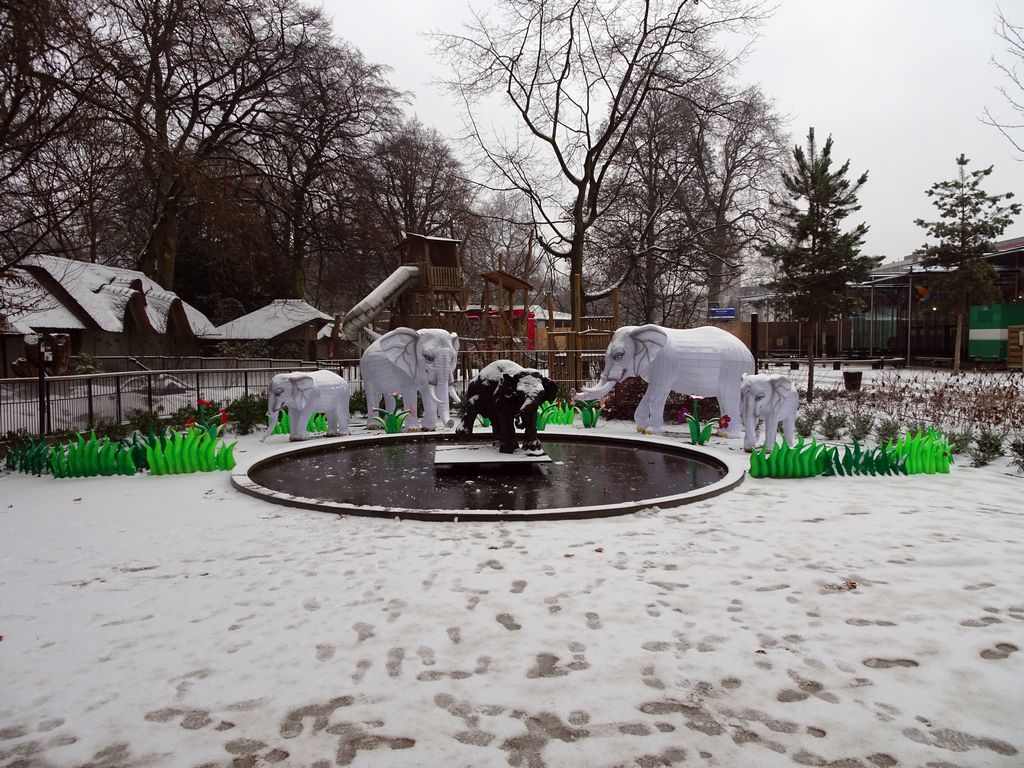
point(734, 473)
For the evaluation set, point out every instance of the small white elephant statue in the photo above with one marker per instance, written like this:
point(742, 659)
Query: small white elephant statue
point(410, 362)
point(306, 393)
point(704, 361)
point(770, 398)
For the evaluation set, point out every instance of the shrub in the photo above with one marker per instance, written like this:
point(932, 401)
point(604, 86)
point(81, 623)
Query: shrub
point(960, 441)
point(832, 424)
point(861, 424)
point(887, 430)
point(1017, 453)
point(247, 413)
point(622, 401)
point(807, 420)
point(989, 445)
point(915, 427)
point(143, 421)
point(356, 403)
point(82, 364)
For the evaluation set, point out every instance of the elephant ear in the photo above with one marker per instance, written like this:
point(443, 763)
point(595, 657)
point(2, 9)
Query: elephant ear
point(399, 346)
point(648, 341)
point(781, 387)
point(550, 390)
point(455, 342)
point(302, 388)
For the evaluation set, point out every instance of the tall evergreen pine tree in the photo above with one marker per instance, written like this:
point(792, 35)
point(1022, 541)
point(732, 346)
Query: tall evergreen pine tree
point(970, 221)
point(819, 262)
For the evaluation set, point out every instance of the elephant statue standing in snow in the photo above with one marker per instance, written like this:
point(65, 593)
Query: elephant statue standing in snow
point(704, 361)
point(306, 393)
point(770, 398)
point(508, 394)
point(410, 363)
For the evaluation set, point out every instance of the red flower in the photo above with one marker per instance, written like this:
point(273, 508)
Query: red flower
point(223, 416)
point(190, 422)
point(204, 403)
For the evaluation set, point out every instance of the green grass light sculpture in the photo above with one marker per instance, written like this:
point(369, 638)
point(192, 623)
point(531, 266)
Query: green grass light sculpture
point(923, 453)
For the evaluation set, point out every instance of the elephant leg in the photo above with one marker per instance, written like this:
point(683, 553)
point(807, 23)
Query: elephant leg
point(729, 405)
point(468, 421)
point(430, 408)
point(506, 434)
point(642, 414)
point(656, 406)
point(337, 417)
point(412, 421)
point(771, 429)
point(530, 440)
point(789, 430)
point(299, 421)
point(372, 401)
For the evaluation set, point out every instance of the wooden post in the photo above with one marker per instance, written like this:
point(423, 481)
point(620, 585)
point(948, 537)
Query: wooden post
point(615, 309)
point(484, 319)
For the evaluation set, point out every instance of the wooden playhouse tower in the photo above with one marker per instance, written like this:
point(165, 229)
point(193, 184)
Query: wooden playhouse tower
point(440, 293)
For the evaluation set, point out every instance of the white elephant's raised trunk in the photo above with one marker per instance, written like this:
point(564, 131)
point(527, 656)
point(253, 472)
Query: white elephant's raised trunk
point(596, 393)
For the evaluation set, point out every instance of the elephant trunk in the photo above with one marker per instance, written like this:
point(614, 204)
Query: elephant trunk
point(273, 414)
point(748, 408)
point(604, 386)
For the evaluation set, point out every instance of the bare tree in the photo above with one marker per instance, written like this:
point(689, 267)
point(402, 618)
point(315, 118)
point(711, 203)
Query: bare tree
point(189, 78)
point(577, 73)
point(36, 112)
point(693, 184)
point(417, 184)
point(331, 107)
point(1013, 90)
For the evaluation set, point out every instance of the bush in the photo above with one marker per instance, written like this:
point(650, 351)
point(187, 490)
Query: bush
point(1017, 453)
point(887, 430)
point(247, 413)
point(357, 403)
point(82, 364)
point(861, 424)
point(622, 401)
point(246, 348)
point(807, 420)
point(960, 441)
point(989, 445)
point(832, 424)
point(144, 421)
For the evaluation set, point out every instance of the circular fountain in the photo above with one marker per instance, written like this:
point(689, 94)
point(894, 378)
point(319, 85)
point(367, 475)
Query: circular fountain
point(398, 476)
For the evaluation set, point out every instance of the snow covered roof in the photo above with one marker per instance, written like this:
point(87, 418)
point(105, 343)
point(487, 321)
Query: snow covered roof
point(74, 295)
point(36, 308)
point(278, 317)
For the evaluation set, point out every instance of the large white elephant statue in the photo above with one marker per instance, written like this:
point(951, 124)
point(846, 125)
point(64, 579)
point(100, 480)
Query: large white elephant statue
point(410, 362)
point(704, 361)
point(771, 398)
point(306, 393)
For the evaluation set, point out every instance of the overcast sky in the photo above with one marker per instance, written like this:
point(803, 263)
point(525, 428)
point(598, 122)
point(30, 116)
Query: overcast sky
point(900, 85)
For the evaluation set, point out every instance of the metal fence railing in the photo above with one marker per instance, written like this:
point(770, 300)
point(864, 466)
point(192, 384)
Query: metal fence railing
point(75, 402)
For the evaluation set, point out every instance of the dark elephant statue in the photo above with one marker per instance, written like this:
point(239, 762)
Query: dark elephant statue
point(509, 395)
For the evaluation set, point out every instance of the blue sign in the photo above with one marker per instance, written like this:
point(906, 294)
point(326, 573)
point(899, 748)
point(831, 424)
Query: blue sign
point(721, 313)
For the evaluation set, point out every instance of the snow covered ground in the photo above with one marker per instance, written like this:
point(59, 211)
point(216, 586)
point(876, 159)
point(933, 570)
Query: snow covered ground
point(853, 622)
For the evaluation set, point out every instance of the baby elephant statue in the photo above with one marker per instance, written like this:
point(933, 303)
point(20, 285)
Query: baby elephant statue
point(306, 393)
point(509, 395)
point(771, 399)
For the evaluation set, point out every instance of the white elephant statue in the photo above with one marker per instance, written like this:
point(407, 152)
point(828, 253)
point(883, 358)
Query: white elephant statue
point(409, 362)
point(704, 361)
point(306, 393)
point(770, 398)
